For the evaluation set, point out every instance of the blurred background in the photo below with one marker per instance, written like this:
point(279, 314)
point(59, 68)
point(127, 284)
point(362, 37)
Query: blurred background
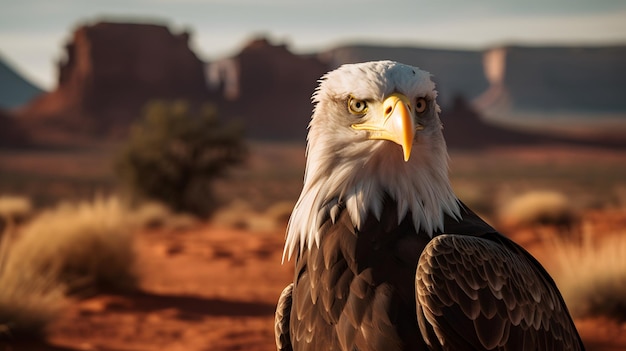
point(168, 136)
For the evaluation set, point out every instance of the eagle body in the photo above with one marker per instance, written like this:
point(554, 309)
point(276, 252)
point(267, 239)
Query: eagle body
point(386, 256)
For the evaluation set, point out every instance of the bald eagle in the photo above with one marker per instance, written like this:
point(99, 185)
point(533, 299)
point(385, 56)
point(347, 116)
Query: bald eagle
point(386, 256)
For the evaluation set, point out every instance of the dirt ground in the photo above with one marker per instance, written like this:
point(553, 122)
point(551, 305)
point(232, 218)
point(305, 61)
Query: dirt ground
point(212, 288)
point(204, 289)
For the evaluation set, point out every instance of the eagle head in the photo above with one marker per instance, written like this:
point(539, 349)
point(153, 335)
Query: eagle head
point(375, 133)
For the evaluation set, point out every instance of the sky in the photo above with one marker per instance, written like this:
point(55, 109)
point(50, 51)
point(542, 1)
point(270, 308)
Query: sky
point(33, 32)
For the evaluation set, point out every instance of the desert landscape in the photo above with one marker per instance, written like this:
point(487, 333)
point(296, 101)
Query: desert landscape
point(89, 260)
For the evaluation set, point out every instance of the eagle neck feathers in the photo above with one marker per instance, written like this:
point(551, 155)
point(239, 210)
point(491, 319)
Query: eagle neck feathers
point(360, 185)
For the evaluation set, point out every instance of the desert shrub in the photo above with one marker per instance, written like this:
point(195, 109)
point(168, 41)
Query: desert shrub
point(151, 214)
point(537, 207)
point(242, 215)
point(14, 209)
point(29, 301)
point(280, 212)
point(154, 214)
point(591, 274)
point(88, 246)
point(237, 214)
point(175, 152)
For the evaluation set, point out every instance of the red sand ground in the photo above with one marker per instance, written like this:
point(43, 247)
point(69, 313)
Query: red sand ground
point(205, 289)
point(211, 288)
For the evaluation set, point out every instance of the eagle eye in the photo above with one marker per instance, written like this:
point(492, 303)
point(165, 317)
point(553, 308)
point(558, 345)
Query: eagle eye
point(356, 106)
point(420, 105)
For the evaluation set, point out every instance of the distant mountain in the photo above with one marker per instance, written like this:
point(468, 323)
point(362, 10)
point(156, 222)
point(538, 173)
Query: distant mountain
point(15, 90)
point(11, 134)
point(113, 69)
point(575, 90)
point(465, 129)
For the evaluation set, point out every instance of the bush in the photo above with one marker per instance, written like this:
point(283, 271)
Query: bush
point(153, 215)
point(28, 304)
point(14, 210)
point(175, 152)
point(538, 207)
point(29, 301)
point(241, 214)
point(591, 274)
point(88, 246)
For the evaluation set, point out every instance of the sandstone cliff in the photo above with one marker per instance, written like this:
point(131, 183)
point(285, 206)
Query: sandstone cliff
point(577, 91)
point(268, 88)
point(110, 71)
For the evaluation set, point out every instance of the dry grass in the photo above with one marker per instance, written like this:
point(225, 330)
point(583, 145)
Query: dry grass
point(537, 207)
point(15, 208)
point(591, 273)
point(29, 302)
point(151, 215)
point(86, 245)
point(241, 214)
point(154, 214)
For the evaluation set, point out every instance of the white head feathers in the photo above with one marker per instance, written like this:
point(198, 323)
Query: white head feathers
point(347, 168)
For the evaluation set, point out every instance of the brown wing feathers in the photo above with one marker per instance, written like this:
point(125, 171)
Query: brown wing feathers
point(282, 320)
point(479, 294)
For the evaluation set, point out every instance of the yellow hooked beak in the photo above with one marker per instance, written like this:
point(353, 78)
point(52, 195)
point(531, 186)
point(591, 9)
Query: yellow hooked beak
point(394, 123)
